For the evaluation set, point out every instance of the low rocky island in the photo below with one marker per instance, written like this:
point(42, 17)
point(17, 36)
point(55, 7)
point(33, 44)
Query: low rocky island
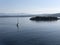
point(44, 18)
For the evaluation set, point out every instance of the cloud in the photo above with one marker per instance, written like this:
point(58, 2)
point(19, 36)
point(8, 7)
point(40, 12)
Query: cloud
point(32, 11)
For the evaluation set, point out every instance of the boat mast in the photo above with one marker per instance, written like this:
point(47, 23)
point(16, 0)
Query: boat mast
point(17, 20)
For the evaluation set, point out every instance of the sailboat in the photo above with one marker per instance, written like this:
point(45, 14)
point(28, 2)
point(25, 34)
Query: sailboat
point(17, 24)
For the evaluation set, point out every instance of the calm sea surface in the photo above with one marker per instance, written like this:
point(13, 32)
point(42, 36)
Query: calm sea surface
point(29, 32)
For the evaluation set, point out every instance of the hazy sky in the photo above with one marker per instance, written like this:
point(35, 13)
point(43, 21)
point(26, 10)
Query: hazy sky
point(29, 6)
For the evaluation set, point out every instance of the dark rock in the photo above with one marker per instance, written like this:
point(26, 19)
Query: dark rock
point(39, 18)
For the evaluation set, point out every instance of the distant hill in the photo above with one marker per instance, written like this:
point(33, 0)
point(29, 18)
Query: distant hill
point(57, 14)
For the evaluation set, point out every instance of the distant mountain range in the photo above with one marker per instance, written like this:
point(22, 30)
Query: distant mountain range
point(18, 15)
point(12, 14)
point(26, 15)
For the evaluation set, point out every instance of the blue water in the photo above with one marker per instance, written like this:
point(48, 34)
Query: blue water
point(29, 32)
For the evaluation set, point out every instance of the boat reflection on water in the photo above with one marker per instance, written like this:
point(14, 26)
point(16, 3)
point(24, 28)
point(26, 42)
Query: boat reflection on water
point(17, 27)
